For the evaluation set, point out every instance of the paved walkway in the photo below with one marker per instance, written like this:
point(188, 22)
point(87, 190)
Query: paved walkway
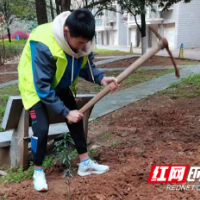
point(114, 59)
point(4, 73)
point(142, 68)
point(193, 54)
point(119, 99)
point(8, 83)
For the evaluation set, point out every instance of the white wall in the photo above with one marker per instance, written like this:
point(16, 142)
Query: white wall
point(171, 15)
point(188, 26)
point(169, 34)
point(122, 29)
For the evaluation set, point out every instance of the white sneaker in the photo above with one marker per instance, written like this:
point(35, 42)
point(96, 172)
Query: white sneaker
point(39, 181)
point(91, 167)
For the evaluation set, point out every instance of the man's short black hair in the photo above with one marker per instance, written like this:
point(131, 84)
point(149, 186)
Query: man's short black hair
point(81, 23)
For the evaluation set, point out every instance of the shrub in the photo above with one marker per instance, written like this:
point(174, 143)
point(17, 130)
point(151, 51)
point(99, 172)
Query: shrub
point(21, 34)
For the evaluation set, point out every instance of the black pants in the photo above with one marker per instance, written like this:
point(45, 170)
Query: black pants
point(40, 127)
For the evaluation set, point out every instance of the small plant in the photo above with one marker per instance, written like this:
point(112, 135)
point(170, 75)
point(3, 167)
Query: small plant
point(63, 149)
point(64, 154)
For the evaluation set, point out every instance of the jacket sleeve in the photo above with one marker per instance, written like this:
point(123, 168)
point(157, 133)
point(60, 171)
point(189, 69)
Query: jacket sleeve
point(85, 71)
point(44, 69)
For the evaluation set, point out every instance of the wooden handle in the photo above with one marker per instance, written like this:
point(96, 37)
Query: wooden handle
point(162, 44)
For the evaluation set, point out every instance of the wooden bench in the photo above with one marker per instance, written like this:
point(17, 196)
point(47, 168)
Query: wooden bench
point(14, 143)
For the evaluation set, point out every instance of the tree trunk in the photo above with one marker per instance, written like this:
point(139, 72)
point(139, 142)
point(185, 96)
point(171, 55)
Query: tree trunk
point(66, 5)
point(41, 11)
point(52, 12)
point(58, 5)
point(143, 31)
point(2, 53)
point(9, 35)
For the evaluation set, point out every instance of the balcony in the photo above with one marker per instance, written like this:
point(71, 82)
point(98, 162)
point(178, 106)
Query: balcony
point(104, 23)
point(151, 17)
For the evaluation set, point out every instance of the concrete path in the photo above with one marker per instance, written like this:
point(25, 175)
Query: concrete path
point(141, 68)
point(4, 73)
point(114, 59)
point(193, 54)
point(119, 99)
point(8, 83)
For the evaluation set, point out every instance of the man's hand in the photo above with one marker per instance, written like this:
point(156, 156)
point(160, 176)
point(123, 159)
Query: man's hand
point(106, 80)
point(74, 116)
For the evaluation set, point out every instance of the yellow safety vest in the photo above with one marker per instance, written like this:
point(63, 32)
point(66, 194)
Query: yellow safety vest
point(43, 34)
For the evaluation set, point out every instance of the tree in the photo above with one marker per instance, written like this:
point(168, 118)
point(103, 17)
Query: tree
point(14, 10)
point(66, 5)
point(134, 7)
point(51, 7)
point(41, 11)
point(2, 52)
point(62, 5)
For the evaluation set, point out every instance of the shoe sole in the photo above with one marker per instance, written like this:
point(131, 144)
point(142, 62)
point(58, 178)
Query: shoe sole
point(80, 173)
point(42, 190)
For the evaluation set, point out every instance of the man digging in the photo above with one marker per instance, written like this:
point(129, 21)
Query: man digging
point(54, 56)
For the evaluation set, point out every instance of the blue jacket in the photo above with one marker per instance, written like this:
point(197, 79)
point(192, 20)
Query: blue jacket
point(44, 68)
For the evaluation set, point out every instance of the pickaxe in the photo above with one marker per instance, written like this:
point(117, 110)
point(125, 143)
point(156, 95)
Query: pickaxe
point(163, 43)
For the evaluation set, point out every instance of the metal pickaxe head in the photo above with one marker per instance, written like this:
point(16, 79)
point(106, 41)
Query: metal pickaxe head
point(166, 46)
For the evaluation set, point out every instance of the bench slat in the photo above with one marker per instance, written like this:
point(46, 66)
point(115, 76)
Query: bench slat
point(12, 112)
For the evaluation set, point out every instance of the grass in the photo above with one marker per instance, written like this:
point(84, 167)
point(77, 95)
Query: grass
point(139, 76)
point(16, 174)
point(106, 136)
point(188, 87)
point(13, 48)
point(189, 62)
point(105, 52)
point(13, 41)
point(4, 95)
point(142, 76)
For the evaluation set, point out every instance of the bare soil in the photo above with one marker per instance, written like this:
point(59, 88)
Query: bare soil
point(154, 61)
point(8, 68)
point(8, 77)
point(159, 130)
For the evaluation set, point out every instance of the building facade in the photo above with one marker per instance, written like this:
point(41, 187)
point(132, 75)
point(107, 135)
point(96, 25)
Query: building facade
point(110, 28)
point(180, 24)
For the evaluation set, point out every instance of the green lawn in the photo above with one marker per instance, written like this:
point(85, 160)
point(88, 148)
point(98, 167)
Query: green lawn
point(188, 87)
point(106, 52)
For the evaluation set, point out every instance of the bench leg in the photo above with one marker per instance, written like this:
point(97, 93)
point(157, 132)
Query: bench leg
point(19, 146)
